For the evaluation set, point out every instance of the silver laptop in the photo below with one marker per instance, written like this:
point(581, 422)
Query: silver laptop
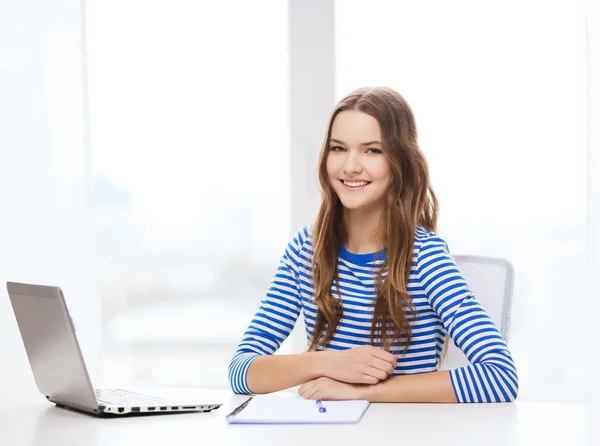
point(57, 363)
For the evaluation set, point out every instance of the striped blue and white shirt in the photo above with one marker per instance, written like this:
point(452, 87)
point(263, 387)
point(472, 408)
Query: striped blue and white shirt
point(441, 297)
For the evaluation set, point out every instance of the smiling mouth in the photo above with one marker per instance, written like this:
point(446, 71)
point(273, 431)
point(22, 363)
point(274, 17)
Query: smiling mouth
point(355, 185)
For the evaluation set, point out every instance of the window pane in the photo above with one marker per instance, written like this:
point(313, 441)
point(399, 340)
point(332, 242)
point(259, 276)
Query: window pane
point(188, 106)
point(498, 91)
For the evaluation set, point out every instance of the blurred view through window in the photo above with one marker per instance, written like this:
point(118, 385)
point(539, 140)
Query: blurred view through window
point(189, 159)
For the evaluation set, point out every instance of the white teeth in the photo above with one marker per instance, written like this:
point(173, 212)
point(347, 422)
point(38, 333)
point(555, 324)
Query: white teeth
point(356, 184)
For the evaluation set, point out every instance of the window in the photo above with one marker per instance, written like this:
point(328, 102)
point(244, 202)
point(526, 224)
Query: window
point(189, 139)
point(498, 92)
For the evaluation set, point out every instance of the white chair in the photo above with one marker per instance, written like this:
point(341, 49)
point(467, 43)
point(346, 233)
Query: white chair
point(492, 281)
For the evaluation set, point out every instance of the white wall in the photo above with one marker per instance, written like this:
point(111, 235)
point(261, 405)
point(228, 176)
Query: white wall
point(43, 235)
point(312, 98)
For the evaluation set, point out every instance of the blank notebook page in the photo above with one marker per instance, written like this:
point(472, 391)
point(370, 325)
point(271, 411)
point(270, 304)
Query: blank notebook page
point(281, 408)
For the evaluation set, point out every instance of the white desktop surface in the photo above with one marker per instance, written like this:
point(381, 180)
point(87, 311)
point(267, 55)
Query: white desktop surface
point(513, 424)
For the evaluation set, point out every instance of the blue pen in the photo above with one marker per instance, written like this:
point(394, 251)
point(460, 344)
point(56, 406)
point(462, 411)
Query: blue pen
point(321, 407)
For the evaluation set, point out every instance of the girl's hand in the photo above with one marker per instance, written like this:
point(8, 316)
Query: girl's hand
point(360, 365)
point(330, 389)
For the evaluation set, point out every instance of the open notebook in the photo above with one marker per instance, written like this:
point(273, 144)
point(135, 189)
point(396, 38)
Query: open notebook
point(283, 408)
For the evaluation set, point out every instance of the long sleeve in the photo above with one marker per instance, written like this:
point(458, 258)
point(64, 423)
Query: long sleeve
point(492, 375)
point(274, 319)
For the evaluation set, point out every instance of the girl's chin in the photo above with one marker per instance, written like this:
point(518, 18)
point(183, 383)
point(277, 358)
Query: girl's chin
point(357, 205)
point(361, 203)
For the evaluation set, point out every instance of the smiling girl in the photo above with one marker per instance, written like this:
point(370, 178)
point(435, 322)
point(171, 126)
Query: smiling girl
point(376, 285)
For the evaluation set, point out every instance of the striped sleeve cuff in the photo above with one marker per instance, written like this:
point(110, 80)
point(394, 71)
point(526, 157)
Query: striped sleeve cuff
point(238, 372)
point(484, 383)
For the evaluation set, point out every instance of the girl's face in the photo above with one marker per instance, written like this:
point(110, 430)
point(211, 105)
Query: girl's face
point(358, 171)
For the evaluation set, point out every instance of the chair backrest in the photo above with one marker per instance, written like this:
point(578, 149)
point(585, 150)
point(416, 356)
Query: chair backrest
point(492, 281)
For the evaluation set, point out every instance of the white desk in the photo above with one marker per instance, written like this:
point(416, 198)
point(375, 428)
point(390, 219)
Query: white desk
point(514, 424)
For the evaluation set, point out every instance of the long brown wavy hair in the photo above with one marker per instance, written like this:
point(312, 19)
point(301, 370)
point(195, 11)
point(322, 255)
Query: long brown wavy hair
point(410, 202)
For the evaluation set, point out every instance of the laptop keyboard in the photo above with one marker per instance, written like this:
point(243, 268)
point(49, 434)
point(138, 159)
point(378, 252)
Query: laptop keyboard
point(126, 398)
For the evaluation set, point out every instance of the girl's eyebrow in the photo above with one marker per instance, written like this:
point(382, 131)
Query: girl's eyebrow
point(337, 141)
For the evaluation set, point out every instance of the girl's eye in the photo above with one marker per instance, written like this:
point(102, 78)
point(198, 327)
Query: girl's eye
point(371, 151)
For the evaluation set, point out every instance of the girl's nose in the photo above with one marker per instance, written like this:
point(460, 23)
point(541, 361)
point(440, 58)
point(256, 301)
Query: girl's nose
point(352, 163)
